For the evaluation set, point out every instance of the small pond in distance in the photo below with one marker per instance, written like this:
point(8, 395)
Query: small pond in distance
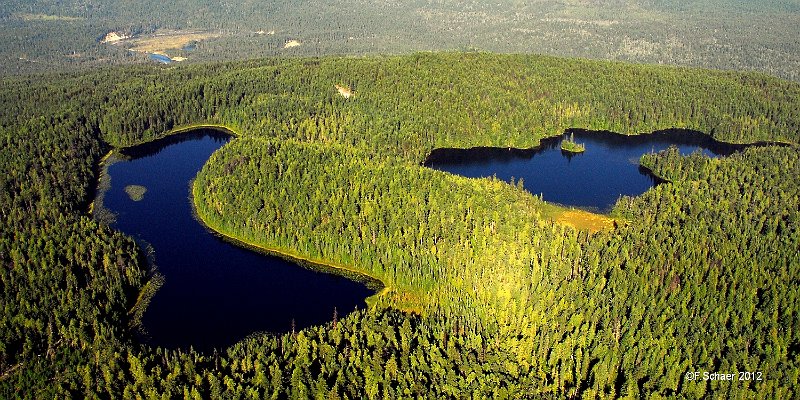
point(593, 180)
point(215, 293)
point(160, 58)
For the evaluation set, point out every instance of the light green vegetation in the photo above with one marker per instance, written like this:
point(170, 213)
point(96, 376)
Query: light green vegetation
point(45, 17)
point(355, 199)
point(701, 276)
point(301, 258)
point(135, 192)
point(569, 145)
point(583, 220)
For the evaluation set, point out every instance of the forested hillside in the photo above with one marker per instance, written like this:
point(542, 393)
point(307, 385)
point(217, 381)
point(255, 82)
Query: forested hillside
point(487, 296)
point(741, 35)
point(408, 105)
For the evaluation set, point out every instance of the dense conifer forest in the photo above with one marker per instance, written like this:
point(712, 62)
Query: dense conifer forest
point(487, 296)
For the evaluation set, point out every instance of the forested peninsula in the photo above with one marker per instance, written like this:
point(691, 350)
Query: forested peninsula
point(488, 296)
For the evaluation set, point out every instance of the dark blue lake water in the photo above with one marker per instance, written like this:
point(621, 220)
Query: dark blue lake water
point(594, 179)
point(160, 58)
point(215, 293)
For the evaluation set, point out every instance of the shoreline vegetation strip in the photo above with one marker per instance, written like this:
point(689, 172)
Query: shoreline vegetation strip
point(555, 210)
point(380, 293)
point(555, 214)
point(385, 289)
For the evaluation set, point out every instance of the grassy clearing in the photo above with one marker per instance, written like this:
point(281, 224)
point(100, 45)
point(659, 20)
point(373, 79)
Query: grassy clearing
point(584, 220)
point(292, 43)
point(170, 40)
point(46, 17)
point(344, 91)
point(578, 219)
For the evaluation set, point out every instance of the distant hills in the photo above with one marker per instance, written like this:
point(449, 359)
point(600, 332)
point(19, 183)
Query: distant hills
point(38, 36)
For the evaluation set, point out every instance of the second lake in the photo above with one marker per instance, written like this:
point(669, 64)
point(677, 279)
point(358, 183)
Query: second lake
point(592, 180)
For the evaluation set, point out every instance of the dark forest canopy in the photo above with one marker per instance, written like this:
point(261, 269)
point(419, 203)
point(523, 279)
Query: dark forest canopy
point(486, 295)
point(754, 35)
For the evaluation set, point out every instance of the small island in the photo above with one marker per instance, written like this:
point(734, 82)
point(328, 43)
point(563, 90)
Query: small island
point(569, 145)
point(135, 192)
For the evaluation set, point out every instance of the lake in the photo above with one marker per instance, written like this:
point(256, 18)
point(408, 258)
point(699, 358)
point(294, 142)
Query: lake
point(215, 293)
point(593, 180)
point(160, 58)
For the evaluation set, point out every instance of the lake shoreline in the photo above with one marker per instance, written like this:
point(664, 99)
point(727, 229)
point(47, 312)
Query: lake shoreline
point(179, 130)
point(558, 209)
point(94, 198)
point(148, 315)
point(317, 265)
point(437, 152)
point(380, 288)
